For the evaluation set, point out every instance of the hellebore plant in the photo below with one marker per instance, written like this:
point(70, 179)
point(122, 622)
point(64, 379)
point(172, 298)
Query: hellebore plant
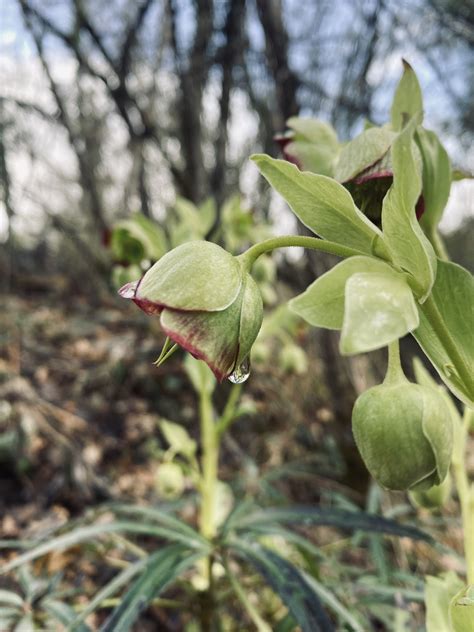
point(395, 279)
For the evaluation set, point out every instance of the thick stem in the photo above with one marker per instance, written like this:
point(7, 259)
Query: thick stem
point(431, 311)
point(292, 241)
point(210, 456)
point(207, 489)
point(465, 494)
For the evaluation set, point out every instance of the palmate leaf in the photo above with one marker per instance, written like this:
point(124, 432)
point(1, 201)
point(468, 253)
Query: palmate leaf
point(289, 583)
point(162, 568)
point(342, 519)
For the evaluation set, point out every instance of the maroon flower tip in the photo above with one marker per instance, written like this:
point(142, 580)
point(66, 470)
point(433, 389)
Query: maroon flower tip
point(129, 290)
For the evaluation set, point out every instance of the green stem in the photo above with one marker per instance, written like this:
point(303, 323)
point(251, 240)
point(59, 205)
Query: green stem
point(210, 456)
point(465, 493)
point(228, 414)
point(438, 245)
point(292, 241)
point(395, 373)
point(431, 311)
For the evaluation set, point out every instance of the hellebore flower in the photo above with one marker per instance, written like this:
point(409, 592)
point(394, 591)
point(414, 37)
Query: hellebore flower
point(404, 434)
point(369, 187)
point(208, 304)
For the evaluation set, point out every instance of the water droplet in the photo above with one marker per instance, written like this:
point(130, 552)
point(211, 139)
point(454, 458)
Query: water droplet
point(241, 373)
point(128, 290)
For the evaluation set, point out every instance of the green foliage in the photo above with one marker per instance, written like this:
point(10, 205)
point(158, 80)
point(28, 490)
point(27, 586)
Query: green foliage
point(453, 299)
point(39, 604)
point(321, 203)
point(379, 308)
point(362, 152)
point(436, 178)
point(408, 100)
point(409, 248)
point(313, 144)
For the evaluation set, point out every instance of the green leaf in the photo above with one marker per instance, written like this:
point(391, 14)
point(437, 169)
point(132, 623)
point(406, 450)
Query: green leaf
point(322, 303)
point(436, 178)
point(408, 100)
point(322, 204)
point(315, 145)
point(438, 593)
point(408, 246)
point(162, 568)
point(453, 295)
point(26, 624)
point(88, 533)
point(10, 598)
point(178, 438)
point(109, 590)
point(362, 152)
point(162, 517)
point(138, 238)
point(333, 603)
point(339, 518)
point(461, 610)
point(62, 613)
point(290, 584)
point(378, 309)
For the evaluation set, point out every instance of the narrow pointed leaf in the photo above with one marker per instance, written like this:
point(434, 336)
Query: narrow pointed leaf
point(453, 295)
point(109, 590)
point(89, 533)
point(408, 100)
point(162, 568)
point(339, 518)
point(436, 178)
point(290, 584)
point(408, 246)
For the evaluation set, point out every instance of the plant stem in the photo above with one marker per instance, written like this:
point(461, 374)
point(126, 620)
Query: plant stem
point(228, 414)
point(438, 245)
point(210, 455)
point(465, 494)
point(431, 311)
point(260, 624)
point(291, 241)
point(395, 373)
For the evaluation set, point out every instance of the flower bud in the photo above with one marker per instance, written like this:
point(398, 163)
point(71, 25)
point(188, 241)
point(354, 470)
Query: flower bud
point(206, 301)
point(404, 434)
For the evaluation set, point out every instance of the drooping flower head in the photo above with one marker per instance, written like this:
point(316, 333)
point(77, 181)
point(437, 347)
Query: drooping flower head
point(207, 303)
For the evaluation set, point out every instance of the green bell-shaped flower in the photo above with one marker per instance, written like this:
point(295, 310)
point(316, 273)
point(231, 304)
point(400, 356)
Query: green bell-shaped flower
point(404, 433)
point(206, 301)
